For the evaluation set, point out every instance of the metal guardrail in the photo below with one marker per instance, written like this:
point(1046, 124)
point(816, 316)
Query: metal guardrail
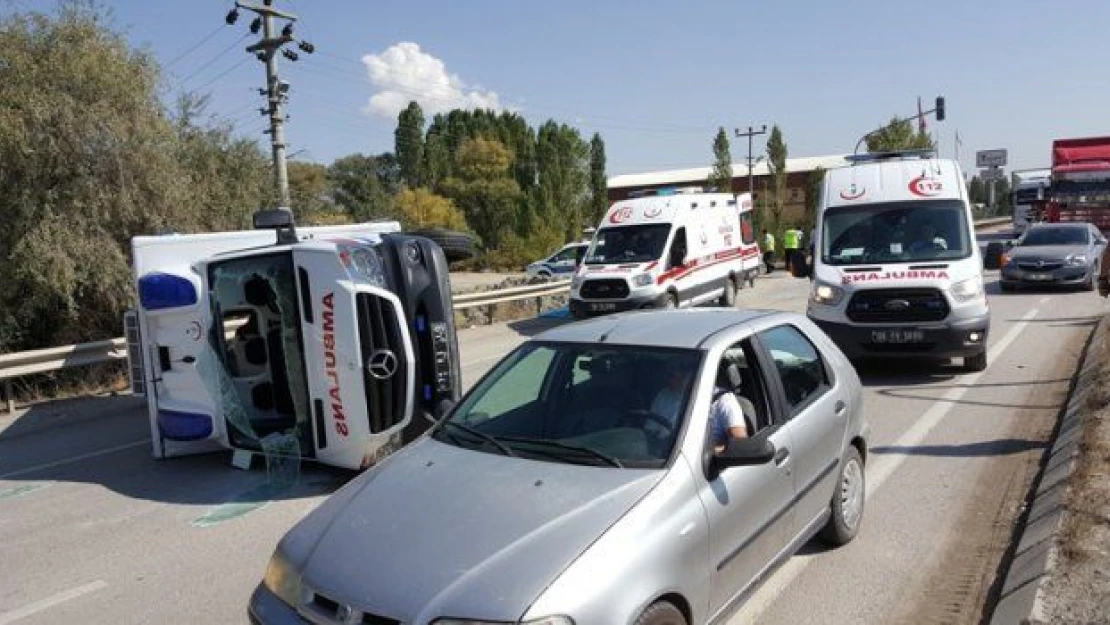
point(19, 364)
point(51, 359)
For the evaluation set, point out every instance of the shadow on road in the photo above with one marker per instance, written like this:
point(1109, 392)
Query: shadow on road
point(1000, 447)
point(935, 392)
point(106, 441)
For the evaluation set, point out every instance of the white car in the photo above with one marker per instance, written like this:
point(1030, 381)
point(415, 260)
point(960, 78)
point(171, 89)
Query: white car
point(561, 263)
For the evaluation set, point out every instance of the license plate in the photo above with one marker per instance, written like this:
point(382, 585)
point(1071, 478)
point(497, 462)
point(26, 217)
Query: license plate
point(897, 336)
point(1040, 277)
point(603, 306)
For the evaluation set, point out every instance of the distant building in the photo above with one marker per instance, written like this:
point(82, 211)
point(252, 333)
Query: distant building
point(798, 169)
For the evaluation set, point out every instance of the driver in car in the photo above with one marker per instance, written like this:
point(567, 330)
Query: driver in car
point(726, 417)
point(927, 239)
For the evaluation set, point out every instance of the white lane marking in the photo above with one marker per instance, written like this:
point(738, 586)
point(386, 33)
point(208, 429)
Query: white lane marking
point(878, 472)
point(50, 602)
point(78, 458)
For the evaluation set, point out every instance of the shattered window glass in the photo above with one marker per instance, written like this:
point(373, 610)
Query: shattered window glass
point(256, 368)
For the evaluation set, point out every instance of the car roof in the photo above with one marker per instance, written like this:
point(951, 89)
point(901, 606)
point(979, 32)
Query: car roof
point(656, 328)
point(1045, 226)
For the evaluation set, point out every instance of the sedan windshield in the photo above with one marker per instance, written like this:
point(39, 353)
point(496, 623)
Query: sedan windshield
point(895, 232)
point(1055, 236)
point(578, 404)
point(628, 244)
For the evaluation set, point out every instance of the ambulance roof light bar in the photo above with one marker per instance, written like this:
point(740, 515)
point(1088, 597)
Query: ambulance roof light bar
point(922, 153)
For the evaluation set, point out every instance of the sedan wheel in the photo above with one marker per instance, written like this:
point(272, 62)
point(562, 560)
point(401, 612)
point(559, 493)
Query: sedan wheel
point(846, 509)
point(661, 613)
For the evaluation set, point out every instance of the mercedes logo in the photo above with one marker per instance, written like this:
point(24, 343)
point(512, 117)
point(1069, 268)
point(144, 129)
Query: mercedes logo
point(1040, 264)
point(382, 364)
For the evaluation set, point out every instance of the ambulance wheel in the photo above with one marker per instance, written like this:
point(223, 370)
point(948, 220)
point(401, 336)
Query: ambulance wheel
point(728, 298)
point(456, 246)
point(978, 362)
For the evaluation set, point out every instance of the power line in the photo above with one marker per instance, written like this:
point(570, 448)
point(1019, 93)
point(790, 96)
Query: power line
point(227, 71)
point(212, 61)
point(193, 47)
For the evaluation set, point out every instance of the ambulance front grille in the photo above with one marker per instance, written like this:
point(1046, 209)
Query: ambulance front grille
point(384, 365)
point(897, 306)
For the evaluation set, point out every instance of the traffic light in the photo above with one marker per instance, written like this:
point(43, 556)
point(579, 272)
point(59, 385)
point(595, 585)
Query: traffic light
point(940, 108)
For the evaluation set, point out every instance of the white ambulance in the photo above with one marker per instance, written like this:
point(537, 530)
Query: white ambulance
point(896, 269)
point(667, 251)
point(325, 343)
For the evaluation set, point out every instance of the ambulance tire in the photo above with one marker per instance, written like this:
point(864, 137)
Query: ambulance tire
point(975, 363)
point(457, 246)
point(728, 298)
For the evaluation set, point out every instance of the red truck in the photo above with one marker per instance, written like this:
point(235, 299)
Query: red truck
point(1080, 190)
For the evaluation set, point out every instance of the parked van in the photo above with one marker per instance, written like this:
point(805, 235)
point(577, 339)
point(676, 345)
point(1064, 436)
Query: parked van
point(327, 343)
point(667, 251)
point(896, 270)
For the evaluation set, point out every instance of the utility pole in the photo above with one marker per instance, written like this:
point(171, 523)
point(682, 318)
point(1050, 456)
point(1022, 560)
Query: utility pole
point(266, 51)
point(749, 134)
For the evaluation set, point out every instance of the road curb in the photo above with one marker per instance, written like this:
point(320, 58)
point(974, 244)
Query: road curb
point(1022, 595)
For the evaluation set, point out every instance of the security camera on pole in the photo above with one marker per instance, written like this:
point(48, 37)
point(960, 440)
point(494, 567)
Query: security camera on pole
point(276, 90)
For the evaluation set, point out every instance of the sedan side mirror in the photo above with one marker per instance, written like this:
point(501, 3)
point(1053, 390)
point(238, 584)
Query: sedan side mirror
point(741, 453)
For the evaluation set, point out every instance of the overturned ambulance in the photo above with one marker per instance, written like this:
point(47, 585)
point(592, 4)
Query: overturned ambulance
point(329, 344)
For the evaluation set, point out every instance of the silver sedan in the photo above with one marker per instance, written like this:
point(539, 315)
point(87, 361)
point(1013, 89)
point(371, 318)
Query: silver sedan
point(639, 468)
point(1054, 254)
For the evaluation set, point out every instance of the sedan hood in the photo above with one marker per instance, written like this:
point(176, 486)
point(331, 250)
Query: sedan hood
point(1047, 252)
point(442, 531)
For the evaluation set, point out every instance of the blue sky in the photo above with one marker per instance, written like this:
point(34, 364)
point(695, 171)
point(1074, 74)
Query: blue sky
point(657, 78)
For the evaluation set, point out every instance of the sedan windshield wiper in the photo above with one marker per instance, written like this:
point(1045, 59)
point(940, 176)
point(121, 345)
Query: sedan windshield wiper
point(581, 449)
point(483, 436)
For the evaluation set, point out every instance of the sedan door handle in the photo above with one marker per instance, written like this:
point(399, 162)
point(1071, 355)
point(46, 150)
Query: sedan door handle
point(841, 408)
point(781, 455)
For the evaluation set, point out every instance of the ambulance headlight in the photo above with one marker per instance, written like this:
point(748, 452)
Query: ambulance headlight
point(826, 294)
point(643, 279)
point(968, 290)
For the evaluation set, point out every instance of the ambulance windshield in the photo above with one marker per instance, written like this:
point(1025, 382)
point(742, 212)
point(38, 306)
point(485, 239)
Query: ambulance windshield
point(257, 340)
point(628, 244)
point(895, 232)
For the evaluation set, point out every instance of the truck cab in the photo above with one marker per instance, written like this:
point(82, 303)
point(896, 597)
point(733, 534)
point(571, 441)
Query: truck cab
point(896, 270)
point(328, 343)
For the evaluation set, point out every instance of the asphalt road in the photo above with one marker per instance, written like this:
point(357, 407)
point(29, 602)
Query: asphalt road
point(94, 530)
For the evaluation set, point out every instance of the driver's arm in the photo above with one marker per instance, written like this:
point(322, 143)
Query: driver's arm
point(729, 410)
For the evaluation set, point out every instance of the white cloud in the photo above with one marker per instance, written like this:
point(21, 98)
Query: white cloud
point(404, 72)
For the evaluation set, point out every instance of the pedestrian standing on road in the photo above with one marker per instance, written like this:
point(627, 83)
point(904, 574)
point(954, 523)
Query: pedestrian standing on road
point(790, 246)
point(768, 250)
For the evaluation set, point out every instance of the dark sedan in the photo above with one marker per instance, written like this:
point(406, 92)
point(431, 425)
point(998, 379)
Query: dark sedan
point(1058, 254)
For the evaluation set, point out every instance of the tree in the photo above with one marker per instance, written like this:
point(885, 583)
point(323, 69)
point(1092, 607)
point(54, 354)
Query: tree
point(89, 157)
point(599, 185)
point(484, 189)
point(814, 181)
point(977, 191)
point(562, 159)
point(899, 134)
point(720, 178)
point(357, 188)
point(309, 190)
point(409, 145)
point(776, 164)
point(420, 208)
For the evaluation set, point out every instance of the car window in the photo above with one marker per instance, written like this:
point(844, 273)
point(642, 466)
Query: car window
point(567, 254)
point(747, 228)
point(579, 403)
point(517, 387)
point(746, 382)
point(798, 364)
